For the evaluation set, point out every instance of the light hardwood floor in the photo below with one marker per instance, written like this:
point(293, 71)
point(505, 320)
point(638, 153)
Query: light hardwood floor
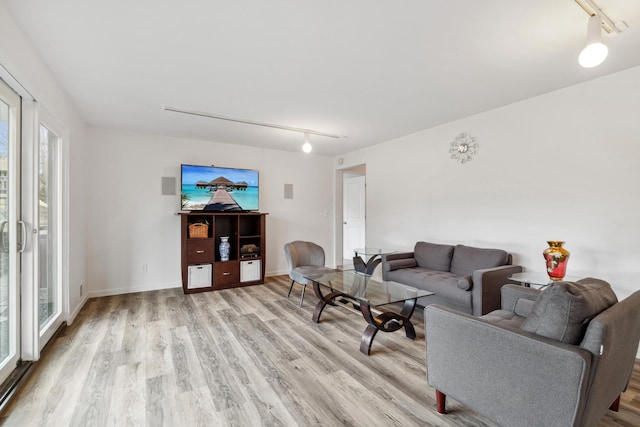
point(240, 357)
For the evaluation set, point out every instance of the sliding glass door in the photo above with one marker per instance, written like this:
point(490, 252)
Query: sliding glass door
point(10, 108)
point(48, 230)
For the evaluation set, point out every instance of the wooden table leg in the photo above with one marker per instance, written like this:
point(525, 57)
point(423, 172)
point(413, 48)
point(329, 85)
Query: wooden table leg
point(387, 322)
point(368, 268)
point(324, 301)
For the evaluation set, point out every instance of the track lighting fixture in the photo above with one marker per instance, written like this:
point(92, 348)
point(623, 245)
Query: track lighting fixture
point(306, 147)
point(595, 52)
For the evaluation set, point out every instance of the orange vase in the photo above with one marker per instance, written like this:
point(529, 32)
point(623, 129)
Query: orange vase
point(557, 258)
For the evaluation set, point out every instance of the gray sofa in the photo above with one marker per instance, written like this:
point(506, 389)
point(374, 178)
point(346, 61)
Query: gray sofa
point(560, 357)
point(462, 277)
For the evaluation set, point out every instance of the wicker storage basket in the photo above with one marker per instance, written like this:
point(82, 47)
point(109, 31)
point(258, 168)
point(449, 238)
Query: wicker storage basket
point(198, 231)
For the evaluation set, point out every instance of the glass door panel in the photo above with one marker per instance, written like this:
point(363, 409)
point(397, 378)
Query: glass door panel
point(9, 301)
point(49, 289)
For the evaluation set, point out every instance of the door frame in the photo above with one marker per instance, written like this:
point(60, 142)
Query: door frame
point(339, 202)
point(47, 119)
point(14, 100)
point(29, 325)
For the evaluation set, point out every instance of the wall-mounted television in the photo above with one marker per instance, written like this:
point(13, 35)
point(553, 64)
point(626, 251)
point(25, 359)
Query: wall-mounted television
point(210, 188)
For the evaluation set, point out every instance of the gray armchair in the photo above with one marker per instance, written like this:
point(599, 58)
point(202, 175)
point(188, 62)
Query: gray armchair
point(304, 259)
point(522, 366)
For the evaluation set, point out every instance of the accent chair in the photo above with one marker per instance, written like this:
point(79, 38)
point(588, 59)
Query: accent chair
point(304, 259)
point(557, 357)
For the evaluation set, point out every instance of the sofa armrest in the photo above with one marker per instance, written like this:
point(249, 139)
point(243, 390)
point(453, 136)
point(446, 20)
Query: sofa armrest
point(512, 293)
point(388, 261)
point(504, 373)
point(485, 289)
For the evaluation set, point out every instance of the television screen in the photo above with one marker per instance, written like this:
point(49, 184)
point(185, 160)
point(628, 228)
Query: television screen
point(209, 188)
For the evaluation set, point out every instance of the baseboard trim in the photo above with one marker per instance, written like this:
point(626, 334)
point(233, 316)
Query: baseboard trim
point(132, 290)
point(71, 316)
point(276, 273)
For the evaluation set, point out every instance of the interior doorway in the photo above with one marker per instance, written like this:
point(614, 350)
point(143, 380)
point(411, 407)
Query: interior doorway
point(352, 213)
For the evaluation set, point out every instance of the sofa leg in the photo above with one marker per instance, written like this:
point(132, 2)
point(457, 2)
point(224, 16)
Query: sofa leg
point(615, 406)
point(441, 399)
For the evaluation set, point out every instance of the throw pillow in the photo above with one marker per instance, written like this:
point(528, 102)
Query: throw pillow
point(433, 256)
point(397, 264)
point(563, 310)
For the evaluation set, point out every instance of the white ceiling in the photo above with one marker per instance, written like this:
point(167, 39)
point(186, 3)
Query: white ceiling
point(372, 70)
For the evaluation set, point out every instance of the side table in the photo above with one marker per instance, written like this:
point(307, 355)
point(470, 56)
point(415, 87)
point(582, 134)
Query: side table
point(538, 280)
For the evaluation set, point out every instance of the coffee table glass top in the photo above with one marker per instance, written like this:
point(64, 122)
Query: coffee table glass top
point(372, 251)
point(363, 287)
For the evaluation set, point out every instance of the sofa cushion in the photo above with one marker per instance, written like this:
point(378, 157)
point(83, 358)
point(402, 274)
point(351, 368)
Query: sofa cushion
point(442, 283)
point(433, 256)
point(563, 310)
point(467, 259)
point(503, 318)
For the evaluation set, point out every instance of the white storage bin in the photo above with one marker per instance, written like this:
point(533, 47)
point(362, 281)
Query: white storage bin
point(250, 270)
point(199, 276)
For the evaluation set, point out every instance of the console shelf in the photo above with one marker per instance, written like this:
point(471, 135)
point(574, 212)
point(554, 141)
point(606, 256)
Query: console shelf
point(202, 268)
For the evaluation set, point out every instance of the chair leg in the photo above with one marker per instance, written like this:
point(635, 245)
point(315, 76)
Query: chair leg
point(615, 406)
point(304, 287)
point(290, 287)
point(441, 399)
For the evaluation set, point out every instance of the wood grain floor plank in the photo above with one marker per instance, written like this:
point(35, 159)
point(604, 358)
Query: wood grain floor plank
point(237, 357)
point(260, 396)
point(161, 404)
point(196, 408)
point(224, 388)
point(186, 365)
point(128, 403)
point(157, 352)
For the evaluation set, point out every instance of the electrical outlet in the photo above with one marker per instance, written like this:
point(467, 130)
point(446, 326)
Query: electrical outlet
point(144, 268)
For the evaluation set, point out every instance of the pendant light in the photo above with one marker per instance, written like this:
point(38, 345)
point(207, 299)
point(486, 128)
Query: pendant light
point(595, 52)
point(306, 147)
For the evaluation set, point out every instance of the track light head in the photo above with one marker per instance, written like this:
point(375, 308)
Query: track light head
point(595, 52)
point(306, 147)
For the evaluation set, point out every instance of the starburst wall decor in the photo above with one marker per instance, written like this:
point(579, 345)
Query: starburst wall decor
point(463, 147)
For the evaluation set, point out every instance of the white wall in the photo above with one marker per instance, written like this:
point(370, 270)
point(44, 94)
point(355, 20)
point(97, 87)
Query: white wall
point(22, 61)
point(562, 166)
point(131, 224)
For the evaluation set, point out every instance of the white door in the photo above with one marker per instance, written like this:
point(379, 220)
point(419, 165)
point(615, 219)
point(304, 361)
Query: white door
point(10, 110)
point(353, 214)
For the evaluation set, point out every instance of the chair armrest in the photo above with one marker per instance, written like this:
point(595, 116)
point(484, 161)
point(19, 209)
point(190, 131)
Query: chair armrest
point(512, 293)
point(514, 377)
point(485, 289)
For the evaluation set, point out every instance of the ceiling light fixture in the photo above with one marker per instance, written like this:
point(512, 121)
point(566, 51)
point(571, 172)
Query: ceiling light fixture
point(596, 52)
point(306, 147)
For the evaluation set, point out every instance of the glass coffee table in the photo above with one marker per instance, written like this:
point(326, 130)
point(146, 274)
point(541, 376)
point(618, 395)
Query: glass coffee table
point(370, 296)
